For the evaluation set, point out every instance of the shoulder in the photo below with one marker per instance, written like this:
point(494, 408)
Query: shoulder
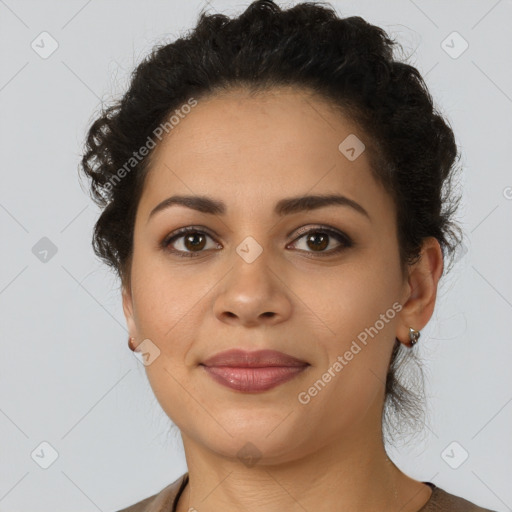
point(162, 501)
point(443, 501)
point(165, 500)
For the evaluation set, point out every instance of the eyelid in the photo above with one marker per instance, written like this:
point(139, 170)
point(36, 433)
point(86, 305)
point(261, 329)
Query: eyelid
point(312, 227)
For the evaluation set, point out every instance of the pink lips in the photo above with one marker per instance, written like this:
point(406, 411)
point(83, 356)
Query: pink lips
point(253, 371)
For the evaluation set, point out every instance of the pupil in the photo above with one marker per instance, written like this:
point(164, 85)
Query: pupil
point(190, 238)
point(314, 238)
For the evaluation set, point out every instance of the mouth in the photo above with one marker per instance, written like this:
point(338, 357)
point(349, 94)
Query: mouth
point(253, 372)
point(257, 359)
point(253, 379)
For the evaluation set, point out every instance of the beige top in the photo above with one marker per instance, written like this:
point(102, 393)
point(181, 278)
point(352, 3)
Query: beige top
point(167, 499)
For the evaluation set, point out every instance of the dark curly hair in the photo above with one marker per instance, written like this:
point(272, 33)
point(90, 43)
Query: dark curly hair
point(346, 61)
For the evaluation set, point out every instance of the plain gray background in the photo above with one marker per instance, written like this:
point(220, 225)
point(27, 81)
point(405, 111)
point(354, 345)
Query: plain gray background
point(67, 377)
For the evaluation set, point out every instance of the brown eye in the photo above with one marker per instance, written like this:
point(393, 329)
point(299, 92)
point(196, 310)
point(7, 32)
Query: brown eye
point(317, 240)
point(191, 242)
point(194, 241)
point(188, 242)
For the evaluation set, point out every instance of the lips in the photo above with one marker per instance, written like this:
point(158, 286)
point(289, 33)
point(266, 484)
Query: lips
point(253, 372)
point(258, 359)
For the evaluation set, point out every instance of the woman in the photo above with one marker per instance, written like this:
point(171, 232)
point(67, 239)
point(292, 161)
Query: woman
point(277, 205)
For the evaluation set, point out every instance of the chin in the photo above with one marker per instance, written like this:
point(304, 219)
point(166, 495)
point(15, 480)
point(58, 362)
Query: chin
point(268, 438)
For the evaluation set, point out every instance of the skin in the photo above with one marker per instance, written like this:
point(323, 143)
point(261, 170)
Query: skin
point(250, 152)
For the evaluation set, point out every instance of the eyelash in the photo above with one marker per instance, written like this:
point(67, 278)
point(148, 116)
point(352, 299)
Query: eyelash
point(338, 235)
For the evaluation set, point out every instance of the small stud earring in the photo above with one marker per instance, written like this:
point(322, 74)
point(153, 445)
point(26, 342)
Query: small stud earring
point(130, 344)
point(414, 336)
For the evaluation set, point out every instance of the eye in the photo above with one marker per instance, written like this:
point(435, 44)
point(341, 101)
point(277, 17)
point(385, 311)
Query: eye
point(191, 241)
point(318, 240)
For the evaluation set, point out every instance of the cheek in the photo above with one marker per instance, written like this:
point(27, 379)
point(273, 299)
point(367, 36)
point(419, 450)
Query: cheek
point(162, 296)
point(166, 308)
point(164, 311)
point(350, 298)
point(356, 338)
point(356, 304)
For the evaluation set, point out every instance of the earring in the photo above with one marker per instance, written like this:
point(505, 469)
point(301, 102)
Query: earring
point(130, 345)
point(414, 336)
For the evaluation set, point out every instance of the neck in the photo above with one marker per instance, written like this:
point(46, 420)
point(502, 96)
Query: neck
point(350, 473)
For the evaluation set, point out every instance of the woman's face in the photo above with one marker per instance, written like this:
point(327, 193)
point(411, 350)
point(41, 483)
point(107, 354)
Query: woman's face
point(257, 280)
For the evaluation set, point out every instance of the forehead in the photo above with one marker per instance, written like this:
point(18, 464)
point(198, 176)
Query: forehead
point(261, 147)
point(283, 122)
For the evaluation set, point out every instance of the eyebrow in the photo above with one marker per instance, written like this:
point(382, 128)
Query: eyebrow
point(287, 206)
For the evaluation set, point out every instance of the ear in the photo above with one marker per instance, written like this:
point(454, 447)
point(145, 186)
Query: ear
point(420, 290)
point(128, 311)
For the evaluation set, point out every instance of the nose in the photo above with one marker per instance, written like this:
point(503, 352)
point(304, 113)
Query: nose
point(253, 294)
